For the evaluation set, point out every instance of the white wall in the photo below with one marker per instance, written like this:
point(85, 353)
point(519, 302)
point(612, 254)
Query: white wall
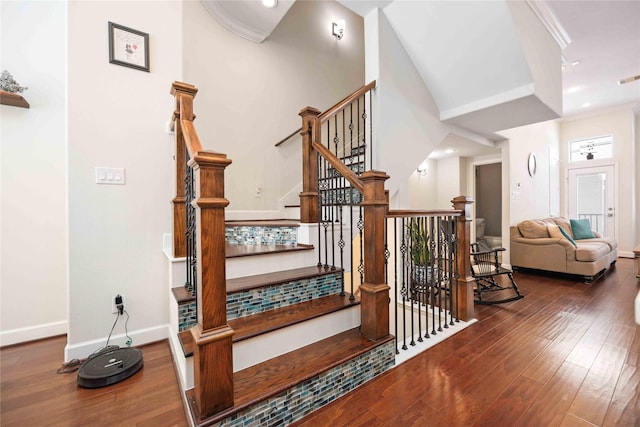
point(408, 119)
point(250, 94)
point(117, 118)
point(33, 219)
point(423, 189)
point(529, 195)
point(621, 124)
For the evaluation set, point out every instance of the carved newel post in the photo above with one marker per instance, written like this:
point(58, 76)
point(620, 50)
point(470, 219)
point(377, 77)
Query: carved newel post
point(309, 195)
point(465, 281)
point(213, 361)
point(374, 292)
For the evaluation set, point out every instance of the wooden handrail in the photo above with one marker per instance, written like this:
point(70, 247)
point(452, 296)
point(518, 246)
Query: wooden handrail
point(191, 139)
point(334, 109)
point(420, 213)
point(346, 101)
point(283, 140)
point(347, 173)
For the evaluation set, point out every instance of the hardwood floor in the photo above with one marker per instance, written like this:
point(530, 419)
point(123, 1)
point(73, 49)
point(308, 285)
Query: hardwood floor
point(33, 394)
point(567, 354)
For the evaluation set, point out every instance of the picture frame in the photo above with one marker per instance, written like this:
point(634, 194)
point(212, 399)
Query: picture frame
point(128, 47)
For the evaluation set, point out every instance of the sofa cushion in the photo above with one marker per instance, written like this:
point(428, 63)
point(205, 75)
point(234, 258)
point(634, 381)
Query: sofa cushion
point(564, 224)
point(558, 232)
point(533, 229)
point(581, 229)
point(591, 251)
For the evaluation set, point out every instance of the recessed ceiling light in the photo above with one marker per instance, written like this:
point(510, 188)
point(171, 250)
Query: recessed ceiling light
point(575, 89)
point(586, 104)
point(270, 3)
point(450, 150)
point(574, 63)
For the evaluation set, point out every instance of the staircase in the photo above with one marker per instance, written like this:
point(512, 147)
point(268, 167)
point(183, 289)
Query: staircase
point(264, 330)
point(296, 344)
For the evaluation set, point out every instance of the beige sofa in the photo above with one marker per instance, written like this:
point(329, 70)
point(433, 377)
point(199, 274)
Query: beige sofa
point(533, 247)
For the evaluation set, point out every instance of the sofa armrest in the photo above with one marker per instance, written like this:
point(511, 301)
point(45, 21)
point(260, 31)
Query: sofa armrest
point(545, 241)
point(546, 253)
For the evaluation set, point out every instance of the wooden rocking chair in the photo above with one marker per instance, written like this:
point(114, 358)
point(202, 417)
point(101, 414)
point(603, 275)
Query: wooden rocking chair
point(484, 267)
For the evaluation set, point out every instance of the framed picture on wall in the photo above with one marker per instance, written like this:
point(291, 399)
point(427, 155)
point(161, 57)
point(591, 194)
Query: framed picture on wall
point(128, 47)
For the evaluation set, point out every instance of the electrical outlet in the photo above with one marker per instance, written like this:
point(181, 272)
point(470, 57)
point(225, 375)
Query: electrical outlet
point(114, 305)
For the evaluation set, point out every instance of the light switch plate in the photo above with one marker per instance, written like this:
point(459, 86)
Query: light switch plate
point(111, 176)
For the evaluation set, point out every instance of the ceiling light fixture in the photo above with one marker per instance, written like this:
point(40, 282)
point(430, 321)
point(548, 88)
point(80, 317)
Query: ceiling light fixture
point(628, 80)
point(338, 28)
point(270, 3)
point(566, 64)
point(586, 104)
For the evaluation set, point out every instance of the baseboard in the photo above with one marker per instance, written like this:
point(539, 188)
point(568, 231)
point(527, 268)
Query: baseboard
point(139, 337)
point(625, 254)
point(31, 333)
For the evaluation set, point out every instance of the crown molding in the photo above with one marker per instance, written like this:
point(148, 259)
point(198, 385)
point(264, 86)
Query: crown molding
point(225, 19)
point(550, 21)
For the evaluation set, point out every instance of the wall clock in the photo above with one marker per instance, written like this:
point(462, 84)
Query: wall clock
point(531, 164)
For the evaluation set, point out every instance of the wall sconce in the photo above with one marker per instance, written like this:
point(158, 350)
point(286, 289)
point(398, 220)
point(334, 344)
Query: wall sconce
point(422, 168)
point(338, 28)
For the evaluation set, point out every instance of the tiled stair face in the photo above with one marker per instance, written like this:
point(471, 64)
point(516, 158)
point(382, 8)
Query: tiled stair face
point(259, 300)
point(308, 396)
point(261, 235)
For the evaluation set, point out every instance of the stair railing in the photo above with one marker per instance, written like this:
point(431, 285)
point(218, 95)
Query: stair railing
point(346, 198)
point(339, 183)
point(200, 199)
point(428, 271)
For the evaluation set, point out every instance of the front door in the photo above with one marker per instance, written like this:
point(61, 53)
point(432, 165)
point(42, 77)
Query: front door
point(592, 196)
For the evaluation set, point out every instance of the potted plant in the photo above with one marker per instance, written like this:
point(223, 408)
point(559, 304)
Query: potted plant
point(419, 252)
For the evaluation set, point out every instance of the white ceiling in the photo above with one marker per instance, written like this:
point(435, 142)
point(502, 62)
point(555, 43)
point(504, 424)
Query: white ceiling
point(605, 38)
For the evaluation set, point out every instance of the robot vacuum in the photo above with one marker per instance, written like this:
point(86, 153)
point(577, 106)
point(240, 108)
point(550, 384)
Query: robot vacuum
point(109, 366)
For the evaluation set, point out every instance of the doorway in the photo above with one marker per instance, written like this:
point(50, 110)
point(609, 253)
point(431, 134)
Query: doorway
point(488, 194)
point(592, 196)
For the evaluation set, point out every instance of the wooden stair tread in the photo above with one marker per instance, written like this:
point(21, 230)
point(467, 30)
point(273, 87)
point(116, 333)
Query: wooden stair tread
point(260, 280)
point(182, 295)
point(186, 341)
point(268, 321)
point(235, 251)
point(269, 378)
point(262, 223)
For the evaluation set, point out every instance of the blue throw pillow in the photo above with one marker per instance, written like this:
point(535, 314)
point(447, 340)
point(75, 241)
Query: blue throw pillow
point(565, 234)
point(581, 229)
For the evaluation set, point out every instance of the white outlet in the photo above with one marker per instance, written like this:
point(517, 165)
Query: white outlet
point(114, 309)
point(259, 190)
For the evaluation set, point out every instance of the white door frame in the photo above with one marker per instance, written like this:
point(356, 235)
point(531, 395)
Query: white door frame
point(612, 185)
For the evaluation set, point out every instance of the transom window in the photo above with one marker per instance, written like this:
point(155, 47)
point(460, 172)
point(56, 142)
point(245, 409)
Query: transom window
point(591, 148)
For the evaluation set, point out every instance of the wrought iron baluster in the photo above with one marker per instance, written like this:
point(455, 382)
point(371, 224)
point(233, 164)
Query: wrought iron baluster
point(395, 279)
point(321, 197)
point(371, 128)
point(404, 290)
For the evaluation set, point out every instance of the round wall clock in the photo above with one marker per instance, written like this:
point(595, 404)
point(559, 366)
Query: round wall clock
point(531, 164)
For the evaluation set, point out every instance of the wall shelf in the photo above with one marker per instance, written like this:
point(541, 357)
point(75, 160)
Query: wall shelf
point(13, 99)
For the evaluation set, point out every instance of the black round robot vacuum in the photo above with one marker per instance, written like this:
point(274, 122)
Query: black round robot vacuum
point(109, 366)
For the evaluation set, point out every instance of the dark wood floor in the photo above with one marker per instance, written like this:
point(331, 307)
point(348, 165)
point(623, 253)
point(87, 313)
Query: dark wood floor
point(567, 354)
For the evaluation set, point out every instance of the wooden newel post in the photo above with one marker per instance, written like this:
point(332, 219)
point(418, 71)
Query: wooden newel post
point(465, 281)
point(184, 94)
point(309, 195)
point(374, 292)
point(213, 362)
